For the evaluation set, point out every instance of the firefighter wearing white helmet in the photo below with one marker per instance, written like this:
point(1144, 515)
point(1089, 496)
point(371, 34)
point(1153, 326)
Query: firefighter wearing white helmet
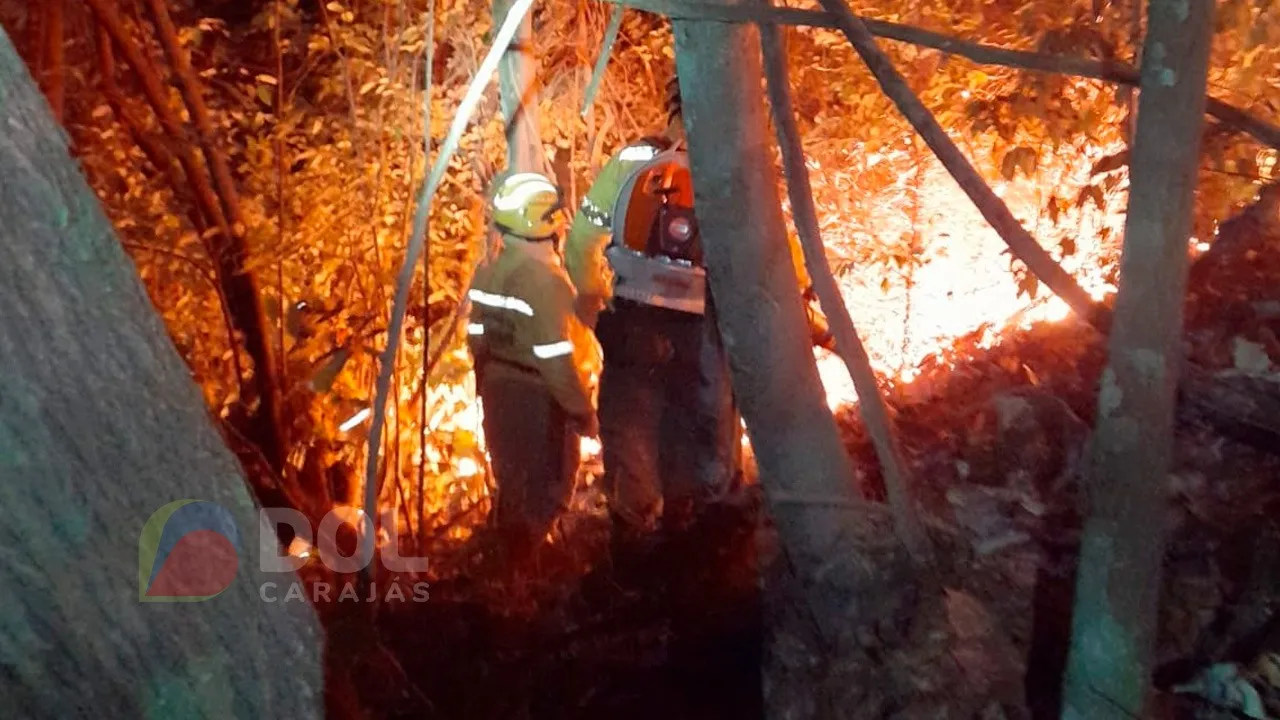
point(536, 364)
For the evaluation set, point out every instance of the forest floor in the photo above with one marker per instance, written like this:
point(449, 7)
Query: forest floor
point(994, 438)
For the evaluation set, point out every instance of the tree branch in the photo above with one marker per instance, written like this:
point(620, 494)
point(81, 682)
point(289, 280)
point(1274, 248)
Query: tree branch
point(1020, 242)
point(205, 271)
point(870, 403)
point(164, 163)
point(1109, 71)
point(152, 87)
point(602, 62)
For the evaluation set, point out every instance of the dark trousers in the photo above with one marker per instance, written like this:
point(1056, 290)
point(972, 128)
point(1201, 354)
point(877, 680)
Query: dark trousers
point(668, 420)
point(533, 452)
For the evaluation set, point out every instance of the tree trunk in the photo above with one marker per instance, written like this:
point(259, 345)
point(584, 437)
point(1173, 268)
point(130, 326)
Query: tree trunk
point(518, 92)
point(804, 468)
point(870, 404)
point(227, 248)
point(53, 66)
point(243, 294)
point(1118, 583)
point(100, 427)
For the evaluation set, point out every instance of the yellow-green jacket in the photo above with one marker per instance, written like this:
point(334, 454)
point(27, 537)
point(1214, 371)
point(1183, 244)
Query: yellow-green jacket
point(522, 313)
point(592, 229)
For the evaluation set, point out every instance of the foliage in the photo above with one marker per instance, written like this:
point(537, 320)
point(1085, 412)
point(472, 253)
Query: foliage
point(328, 155)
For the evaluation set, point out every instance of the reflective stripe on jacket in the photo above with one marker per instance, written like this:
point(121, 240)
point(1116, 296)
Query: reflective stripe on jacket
point(522, 313)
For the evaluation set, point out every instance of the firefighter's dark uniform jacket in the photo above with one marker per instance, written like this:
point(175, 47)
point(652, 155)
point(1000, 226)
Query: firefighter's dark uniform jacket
point(536, 369)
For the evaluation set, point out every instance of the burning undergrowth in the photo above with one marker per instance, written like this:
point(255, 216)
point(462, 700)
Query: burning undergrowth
point(994, 433)
point(994, 438)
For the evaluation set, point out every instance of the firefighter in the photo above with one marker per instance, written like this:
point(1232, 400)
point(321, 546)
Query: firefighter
point(592, 227)
point(669, 422)
point(536, 364)
point(670, 429)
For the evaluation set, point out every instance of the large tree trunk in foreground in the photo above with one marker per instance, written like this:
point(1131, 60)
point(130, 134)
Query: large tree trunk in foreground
point(100, 427)
point(1118, 583)
point(806, 473)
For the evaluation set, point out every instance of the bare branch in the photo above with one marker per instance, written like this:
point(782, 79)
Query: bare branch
point(1109, 71)
point(202, 267)
point(227, 248)
point(1020, 242)
point(602, 62)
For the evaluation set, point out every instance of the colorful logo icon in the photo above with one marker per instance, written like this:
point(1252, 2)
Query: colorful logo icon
point(189, 551)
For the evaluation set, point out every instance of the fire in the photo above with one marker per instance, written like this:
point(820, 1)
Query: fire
point(960, 281)
point(589, 447)
point(466, 467)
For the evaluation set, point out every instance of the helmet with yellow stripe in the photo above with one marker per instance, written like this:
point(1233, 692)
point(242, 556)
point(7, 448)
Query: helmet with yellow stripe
point(526, 205)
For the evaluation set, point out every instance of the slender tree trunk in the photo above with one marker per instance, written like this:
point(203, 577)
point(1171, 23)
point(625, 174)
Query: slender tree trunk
point(518, 91)
point(804, 468)
point(164, 163)
point(870, 403)
point(100, 427)
point(428, 87)
point(53, 66)
point(1118, 583)
point(248, 299)
point(227, 248)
